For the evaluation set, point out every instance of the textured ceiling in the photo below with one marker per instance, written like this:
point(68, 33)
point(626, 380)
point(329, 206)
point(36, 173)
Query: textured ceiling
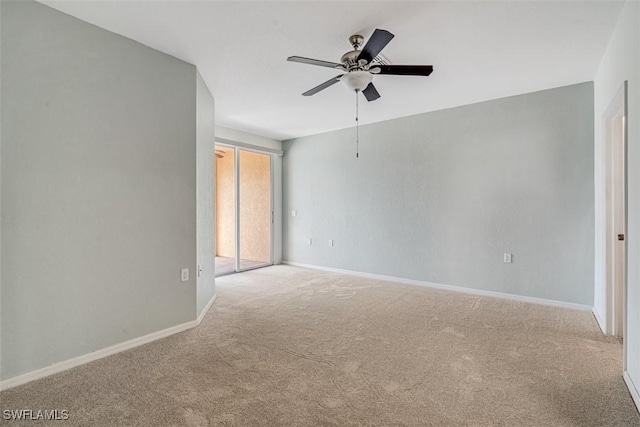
point(480, 50)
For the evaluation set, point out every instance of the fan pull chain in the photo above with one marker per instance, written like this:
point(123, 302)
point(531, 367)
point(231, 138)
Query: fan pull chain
point(357, 127)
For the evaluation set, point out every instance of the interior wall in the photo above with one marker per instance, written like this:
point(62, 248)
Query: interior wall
point(225, 205)
point(98, 188)
point(255, 206)
point(205, 171)
point(622, 62)
point(440, 197)
point(1, 94)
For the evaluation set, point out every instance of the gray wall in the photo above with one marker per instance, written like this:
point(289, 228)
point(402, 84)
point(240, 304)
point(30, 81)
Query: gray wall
point(205, 170)
point(98, 188)
point(439, 197)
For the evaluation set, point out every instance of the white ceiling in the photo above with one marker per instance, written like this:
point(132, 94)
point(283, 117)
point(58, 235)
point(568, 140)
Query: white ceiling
point(480, 50)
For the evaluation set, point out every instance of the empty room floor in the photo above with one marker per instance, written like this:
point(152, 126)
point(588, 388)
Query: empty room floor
point(290, 346)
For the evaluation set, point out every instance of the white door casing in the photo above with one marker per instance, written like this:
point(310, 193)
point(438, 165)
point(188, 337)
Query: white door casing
point(614, 128)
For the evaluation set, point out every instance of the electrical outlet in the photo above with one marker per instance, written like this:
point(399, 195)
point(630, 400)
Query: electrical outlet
point(294, 212)
point(184, 275)
point(330, 242)
point(507, 258)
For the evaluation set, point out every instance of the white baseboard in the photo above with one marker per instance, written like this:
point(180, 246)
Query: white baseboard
point(480, 292)
point(99, 354)
point(601, 323)
point(90, 357)
point(206, 309)
point(632, 389)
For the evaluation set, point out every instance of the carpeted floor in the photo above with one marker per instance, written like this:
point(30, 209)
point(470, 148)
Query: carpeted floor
point(289, 346)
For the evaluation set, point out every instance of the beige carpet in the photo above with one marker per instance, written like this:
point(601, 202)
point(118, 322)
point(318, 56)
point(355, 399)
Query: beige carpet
point(289, 346)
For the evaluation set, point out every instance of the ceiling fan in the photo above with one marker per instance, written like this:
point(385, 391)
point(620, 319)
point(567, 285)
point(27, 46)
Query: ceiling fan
point(359, 66)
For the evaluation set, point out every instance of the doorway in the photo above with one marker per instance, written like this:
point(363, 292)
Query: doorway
point(615, 139)
point(244, 209)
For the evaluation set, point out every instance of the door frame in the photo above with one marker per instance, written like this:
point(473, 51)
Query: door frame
point(236, 147)
point(615, 147)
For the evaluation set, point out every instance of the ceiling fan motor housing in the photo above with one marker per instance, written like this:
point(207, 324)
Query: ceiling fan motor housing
point(357, 80)
point(350, 58)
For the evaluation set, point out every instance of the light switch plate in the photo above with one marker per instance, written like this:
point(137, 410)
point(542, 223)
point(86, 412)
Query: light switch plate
point(184, 275)
point(507, 258)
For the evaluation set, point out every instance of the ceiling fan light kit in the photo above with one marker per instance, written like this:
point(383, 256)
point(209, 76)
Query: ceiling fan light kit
point(357, 80)
point(359, 67)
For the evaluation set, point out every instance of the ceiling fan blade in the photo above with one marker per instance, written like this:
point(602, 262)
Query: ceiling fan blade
point(403, 70)
point(378, 40)
point(322, 86)
point(371, 93)
point(311, 61)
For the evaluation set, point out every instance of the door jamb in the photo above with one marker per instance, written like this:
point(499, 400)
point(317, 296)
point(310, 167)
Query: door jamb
point(616, 109)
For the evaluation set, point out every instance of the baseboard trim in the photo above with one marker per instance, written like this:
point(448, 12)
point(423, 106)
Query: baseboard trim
point(206, 309)
point(90, 357)
point(599, 320)
point(632, 389)
point(493, 294)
